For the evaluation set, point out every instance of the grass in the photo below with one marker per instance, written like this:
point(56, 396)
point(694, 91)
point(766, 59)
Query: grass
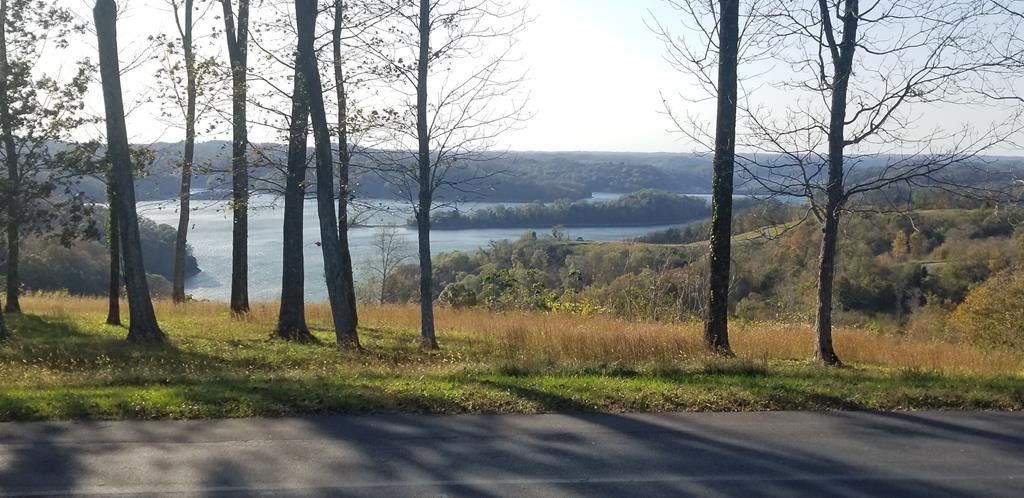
point(62, 364)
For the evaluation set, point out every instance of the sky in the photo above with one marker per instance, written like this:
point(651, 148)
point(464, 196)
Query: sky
point(596, 77)
point(596, 74)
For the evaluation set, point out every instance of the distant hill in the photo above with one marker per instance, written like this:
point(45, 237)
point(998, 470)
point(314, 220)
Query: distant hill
point(500, 177)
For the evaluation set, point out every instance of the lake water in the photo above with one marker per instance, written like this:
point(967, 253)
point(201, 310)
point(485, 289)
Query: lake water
point(210, 238)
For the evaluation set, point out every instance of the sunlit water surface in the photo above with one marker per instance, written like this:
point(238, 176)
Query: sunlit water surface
point(210, 238)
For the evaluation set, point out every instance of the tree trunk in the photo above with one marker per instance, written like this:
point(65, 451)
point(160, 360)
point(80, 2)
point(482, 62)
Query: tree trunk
point(114, 240)
point(11, 161)
point(4, 333)
point(13, 176)
point(824, 351)
point(426, 200)
point(238, 40)
point(291, 321)
point(345, 162)
point(184, 210)
point(716, 331)
point(13, 258)
point(835, 197)
point(143, 327)
point(344, 321)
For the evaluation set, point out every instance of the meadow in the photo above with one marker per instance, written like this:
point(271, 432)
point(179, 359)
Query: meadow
point(63, 363)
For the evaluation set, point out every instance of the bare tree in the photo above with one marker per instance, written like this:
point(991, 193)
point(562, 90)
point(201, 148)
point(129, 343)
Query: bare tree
point(143, 327)
point(458, 100)
point(865, 69)
point(277, 50)
point(390, 253)
point(291, 324)
point(344, 157)
point(344, 320)
point(716, 331)
point(711, 52)
point(238, 52)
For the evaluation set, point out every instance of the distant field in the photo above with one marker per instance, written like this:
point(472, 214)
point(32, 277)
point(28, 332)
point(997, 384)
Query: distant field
point(63, 364)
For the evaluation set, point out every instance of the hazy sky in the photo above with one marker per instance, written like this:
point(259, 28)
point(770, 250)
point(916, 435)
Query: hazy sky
point(595, 74)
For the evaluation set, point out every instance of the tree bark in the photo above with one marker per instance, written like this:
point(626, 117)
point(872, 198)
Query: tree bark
point(13, 304)
point(344, 322)
point(184, 210)
point(143, 327)
point(5, 334)
point(114, 241)
point(291, 321)
point(835, 197)
point(716, 331)
point(824, 351)
point(344, 160)
point(238, 41)
point(13, 282)
point(425, 201)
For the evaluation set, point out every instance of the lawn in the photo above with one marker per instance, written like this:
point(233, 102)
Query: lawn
point(64, 364)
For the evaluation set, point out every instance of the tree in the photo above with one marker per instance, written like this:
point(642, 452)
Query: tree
point(291, 322)
point(712, 60)
point(115, 281)
point(865, 70)
point(114, 244)
point(917, 245)
point(716, 331)
point(4, 333)
point(36, 110)
point(196, 79)
point(344, 158)
point(344, 320)
point(900, 245)
point(11, 160)
point(143, 327)
point(358, 28)
point(457, 124)
point(389, 245)
point(238, 53)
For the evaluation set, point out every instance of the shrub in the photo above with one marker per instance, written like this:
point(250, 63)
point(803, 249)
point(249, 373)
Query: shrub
point(930, 322)
point(457, 295)
point(992, 314)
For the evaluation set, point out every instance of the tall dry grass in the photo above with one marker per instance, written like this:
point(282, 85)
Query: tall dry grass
point(570, 339)
point(544, 340)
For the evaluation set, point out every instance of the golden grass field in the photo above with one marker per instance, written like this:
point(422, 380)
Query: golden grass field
point(63, 363)
point(573, 340)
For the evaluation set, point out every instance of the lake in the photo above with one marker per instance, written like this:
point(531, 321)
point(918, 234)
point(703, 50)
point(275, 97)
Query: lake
point(210, 238)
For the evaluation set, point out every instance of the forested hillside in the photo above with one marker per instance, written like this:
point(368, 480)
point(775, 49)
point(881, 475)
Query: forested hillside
point(643, 208)
point(81, 267)
point(899, 274)
point(504, 177)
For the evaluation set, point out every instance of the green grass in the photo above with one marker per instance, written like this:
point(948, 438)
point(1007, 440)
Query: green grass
point(65, 366)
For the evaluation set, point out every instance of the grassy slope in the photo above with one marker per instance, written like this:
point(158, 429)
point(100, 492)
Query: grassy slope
point(63, 365)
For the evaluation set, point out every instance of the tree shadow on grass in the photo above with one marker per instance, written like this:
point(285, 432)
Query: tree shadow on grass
point(577, 454)
point(60, 345)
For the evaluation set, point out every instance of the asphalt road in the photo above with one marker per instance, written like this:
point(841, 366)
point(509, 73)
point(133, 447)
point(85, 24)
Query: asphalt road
point(837, 454)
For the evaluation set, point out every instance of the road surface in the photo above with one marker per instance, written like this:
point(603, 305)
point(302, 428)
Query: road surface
point(839, 454)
